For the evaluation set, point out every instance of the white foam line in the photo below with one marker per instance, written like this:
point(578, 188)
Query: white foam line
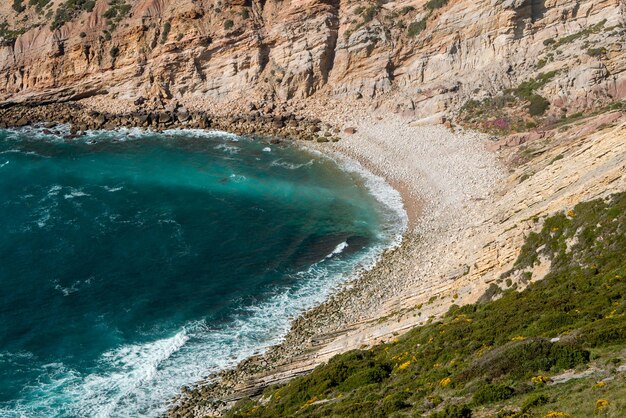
point(338, 249)
point(203, 133)
point(377, 186)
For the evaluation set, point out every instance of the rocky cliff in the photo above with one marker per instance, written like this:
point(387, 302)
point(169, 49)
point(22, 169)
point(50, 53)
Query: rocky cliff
point(413, 56)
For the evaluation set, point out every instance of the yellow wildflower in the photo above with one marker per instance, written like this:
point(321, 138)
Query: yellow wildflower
point(310, 401)
point(556, 414)
point(601, 403)
point(445, 382)
point(540, 380)
point(599, 385)
point(518, 338)
point(482, 350)
point(571, 213)
point(404, 365)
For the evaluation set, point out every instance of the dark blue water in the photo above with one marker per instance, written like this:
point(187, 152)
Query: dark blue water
point(134, 263)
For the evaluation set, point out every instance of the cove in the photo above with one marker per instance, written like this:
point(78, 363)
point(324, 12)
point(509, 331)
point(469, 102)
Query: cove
point(133, 262)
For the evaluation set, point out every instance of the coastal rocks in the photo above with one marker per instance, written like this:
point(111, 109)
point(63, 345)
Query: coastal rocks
point(81, 119)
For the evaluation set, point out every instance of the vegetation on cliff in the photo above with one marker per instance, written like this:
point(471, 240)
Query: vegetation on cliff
point(69, 10)
point(503, 357)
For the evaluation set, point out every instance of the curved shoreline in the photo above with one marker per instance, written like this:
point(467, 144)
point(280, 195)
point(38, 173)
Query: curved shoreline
point(357, 314)
point(474, 217)
point(374, 185)
point(443, 177)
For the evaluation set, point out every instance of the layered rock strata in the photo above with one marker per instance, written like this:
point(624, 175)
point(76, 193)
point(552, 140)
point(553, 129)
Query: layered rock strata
point(414, 56)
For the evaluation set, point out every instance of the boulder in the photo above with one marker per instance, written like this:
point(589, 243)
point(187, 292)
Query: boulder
point(164, 118)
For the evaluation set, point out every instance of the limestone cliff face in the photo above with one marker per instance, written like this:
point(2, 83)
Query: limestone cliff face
point(430, 56)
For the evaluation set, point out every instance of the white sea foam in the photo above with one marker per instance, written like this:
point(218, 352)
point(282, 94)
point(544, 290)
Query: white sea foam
point(40, 133)
point(3, 164)
point(112, 189)
point(13, 356)
point(290, 166)
point(75, 193)
point(338, 249)
point(120, 134)
point(54, 190)
point(74, 287)
point(19, 151)
point(267, 149)
point(238, 178)
point(229, 149)
point(201, 133)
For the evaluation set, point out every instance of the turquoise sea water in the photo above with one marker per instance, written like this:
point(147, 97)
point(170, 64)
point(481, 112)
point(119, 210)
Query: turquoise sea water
point(132, 263)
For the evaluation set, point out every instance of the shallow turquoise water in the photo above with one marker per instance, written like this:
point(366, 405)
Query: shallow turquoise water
point(134, 263)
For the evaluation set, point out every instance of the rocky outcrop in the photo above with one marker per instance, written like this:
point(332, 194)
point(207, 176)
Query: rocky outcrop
point(407, 55)
point(81, 119)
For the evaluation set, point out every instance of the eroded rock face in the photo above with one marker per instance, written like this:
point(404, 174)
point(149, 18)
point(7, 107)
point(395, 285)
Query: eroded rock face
point(431, 60)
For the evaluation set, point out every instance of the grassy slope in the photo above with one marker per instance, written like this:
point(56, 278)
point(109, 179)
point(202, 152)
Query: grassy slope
point(496, 358)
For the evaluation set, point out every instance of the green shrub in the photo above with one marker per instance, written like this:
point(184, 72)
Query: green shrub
point(117, 10)
point(596, 52)
point(9, 34)
point(415, 28)
point(582, 34)
point(374, 374)
point(114, 52)
point(70, 10)
point(492, 393)
point(604, 332)
point(492, 291)
point(18, 6)
point(526, 89)
point(38, 4)
point(167, 27)
point(538, 105)
point(533, 401)
point(394, 402)
point(454, 411)
point(228, 24)
point(557, 158)
point(436, 4)
point(520, 359)
point(370, 13)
